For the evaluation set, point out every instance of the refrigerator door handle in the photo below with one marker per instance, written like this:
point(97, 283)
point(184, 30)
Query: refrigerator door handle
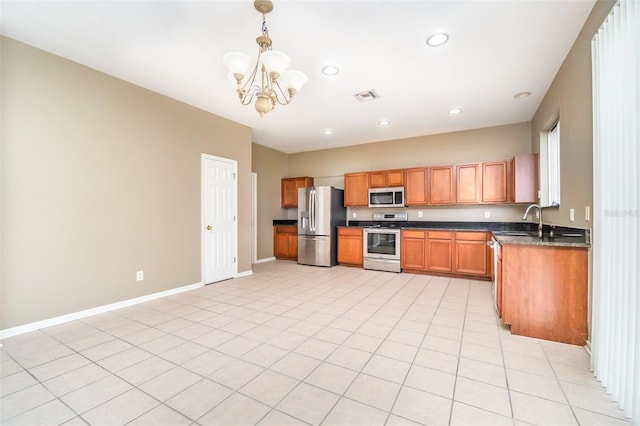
point(312, 210)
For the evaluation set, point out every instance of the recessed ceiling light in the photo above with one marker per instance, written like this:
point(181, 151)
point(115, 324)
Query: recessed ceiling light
point(328, 132)
point(383, 123)
point(330, 70)
point(455, 110)
point(522, 95)
point(437, 39)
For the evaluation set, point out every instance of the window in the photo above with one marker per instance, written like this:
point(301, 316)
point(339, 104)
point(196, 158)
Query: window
point(553, 168)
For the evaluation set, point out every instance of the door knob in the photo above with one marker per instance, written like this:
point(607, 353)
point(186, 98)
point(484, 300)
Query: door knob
point(209, 228)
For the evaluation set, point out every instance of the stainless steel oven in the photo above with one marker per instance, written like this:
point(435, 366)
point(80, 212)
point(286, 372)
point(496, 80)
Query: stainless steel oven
point(381, 242)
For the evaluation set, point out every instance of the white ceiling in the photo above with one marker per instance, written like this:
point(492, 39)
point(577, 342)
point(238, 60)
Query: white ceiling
point(496, 49)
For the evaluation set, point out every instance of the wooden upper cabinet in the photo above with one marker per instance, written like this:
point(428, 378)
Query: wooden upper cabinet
point(494, 182)
point(441, 185)
point(289, 190)
point(468, 184)
point(386, 178)
point(523, 179)
point(395, 178)
point(415, 191)
point(356, 189)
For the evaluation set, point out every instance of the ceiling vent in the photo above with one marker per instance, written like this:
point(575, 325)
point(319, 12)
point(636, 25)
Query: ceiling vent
point(369, 95)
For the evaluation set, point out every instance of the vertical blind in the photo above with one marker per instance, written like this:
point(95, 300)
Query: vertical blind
point(616, 248)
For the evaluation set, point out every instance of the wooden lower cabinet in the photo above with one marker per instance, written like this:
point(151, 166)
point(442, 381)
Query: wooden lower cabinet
point(471, 253)
point(498, 288)
point(544, 292)
point(413, 250)
point(350, 246)
point(440, 251)
point(446, 253)
point(285, 242)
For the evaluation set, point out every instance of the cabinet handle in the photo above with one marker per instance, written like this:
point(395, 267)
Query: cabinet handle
point(209, 228)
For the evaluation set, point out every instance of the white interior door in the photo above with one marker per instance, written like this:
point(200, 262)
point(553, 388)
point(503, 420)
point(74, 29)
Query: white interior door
point(219, 225)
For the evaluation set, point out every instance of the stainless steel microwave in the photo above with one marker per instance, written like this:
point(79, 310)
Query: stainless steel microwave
point(386, 197)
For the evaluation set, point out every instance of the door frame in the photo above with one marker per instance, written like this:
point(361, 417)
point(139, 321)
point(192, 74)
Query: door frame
point(234, 163)
point(254, 217)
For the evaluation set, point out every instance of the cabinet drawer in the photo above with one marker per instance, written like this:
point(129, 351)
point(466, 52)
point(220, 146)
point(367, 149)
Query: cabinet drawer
point(286, 229)
point(471, 236)
point(412, 234)
point(355, 232)
point(440, 235)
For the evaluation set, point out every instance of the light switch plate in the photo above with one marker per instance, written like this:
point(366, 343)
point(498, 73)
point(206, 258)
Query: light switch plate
point(487, 214)
point(587, 213)
point(572, 215)
point(354, 215)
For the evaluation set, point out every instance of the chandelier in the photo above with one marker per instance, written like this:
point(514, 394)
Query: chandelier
point(268, 81)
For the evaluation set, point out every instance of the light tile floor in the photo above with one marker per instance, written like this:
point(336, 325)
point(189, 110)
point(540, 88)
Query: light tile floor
point(295, 345)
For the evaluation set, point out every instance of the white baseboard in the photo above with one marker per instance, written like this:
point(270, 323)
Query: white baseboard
point(14, 331)
point(244, 274)
point(266, 259)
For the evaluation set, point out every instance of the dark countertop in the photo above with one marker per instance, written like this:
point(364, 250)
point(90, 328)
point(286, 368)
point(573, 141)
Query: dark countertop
point(557, 241)
point(456, 226)
point(293, 222)
point(564, 236)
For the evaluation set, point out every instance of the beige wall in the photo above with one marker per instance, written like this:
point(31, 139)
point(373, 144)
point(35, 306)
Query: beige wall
point(270, 166)
point(101, 178)
point(569, 99)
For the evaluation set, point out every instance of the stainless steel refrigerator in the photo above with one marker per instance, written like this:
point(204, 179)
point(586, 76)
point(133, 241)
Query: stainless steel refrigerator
point(320, 211)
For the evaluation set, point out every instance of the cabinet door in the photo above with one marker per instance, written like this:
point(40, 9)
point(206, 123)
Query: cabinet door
point(288, 193)
point(289, 190)
point(439, 251)
point(468, 184)
point(413, 250)
point(292, 246)
point(395, 178)
point(494, 182)
point(415, 192)
point(356, 189)
point(378, 179)
point(523, 179)
point(471, 253)
point(441, 185)
point(350, 247)
point(498, 288)
point(285, 242)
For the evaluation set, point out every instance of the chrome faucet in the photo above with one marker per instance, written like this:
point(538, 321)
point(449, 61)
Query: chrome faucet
point(526, 213)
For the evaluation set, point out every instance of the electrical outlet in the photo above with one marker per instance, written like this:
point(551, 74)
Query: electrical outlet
point(572, 215)
point(487, 214)
point(587, 213)
point(139, 275)
point(420, 213)
point(354, 215)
